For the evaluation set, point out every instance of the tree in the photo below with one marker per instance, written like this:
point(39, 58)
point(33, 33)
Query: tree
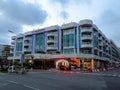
point(6, 49)
point(5, 54)
point(1, 63)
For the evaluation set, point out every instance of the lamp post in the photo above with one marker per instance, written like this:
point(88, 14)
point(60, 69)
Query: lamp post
point(31, 62)
point(12, 32)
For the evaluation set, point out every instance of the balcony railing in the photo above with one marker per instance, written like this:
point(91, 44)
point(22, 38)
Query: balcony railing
point(51, 47)
point(48, 41)
point(100, 44)
point(12, 42)
point(27, 50)
point(65, 47)
point(86, 30)
point(13, 37)
point(86, 37)
point(28, 38)
point(86, 45)
point(100, 38)
point(52, 34)
point(27, 44)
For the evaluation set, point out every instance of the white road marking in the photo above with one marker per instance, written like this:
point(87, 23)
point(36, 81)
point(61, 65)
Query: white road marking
point(4, 84)
point(109, 74)
point(23, 85)
point(12, 81)
point(118, 75)
point(2, 74)
point(31, 87)
point(2, 78)
point(114, 75)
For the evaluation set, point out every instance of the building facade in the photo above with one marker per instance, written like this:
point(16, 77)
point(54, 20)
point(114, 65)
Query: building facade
point(81, 44)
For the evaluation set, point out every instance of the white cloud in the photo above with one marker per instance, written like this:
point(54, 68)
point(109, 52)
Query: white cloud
point(65, 11)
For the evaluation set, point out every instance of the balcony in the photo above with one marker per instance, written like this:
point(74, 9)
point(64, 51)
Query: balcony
point(49, 41)
point(86, 45)
point(68, 47)
point(100, 38)
point(86, 30)
point(20, 36)
point(86, 37)
point(27, 44)
point(13, 37)
point(52, 34)
point(27, 50)
point(11, 47)
point(27, 39)
point(100, 44)
point(12, 42)
point(51, 47)
point(19, 40)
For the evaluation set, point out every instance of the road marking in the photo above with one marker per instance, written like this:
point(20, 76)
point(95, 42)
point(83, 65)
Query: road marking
point(12, 81)
point(31, 87)
point(2, 74)
point(118, 75)
point(4, 84)
point(109, 74)
point(114, 75)
point(2, 78)
point(24, 85)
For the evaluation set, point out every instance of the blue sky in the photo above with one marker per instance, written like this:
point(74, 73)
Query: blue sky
point(25, 15)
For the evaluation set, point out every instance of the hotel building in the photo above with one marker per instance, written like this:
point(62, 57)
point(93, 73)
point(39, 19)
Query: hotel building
point(80, 44)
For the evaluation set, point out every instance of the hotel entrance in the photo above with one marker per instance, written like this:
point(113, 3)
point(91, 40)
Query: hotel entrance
point(62, 64)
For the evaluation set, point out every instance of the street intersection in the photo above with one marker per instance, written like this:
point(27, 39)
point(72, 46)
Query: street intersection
point(61, 80)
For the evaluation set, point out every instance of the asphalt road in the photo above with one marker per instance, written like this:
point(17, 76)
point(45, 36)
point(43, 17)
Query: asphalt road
point(59, 81)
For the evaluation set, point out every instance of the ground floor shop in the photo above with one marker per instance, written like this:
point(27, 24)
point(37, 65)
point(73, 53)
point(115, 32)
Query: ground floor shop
point(45, 61)
point(82, 63)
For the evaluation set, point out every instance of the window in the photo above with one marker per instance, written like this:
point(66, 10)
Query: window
point(19, 46)
point(39, 42)
point(68, 51)
point(68, 40)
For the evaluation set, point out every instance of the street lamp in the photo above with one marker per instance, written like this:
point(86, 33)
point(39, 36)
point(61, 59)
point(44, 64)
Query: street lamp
point(31, 62)
point(11, 31)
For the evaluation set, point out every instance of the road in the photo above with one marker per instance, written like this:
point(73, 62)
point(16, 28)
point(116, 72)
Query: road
point(60, 81)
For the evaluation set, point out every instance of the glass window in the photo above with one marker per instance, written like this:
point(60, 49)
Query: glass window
point(19, 46)
point(68, 51)
point(68, 40)
point(95, 41)
point(39, 42)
